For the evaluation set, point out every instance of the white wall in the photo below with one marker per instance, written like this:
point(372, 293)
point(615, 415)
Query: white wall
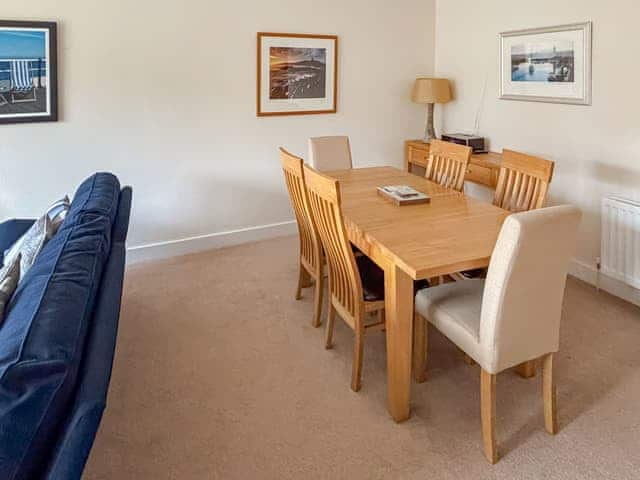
point(596, 148)
point(163, 94)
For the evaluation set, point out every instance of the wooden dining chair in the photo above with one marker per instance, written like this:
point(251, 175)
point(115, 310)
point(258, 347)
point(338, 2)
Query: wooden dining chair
point(523, 182)
point(311, 263)
point(330, 153)
point(356, 286)
point(511, 317)
point(447, 164)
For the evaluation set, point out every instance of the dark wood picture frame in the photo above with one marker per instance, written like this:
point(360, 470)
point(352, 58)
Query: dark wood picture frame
point(333, 109)
point(52, 78)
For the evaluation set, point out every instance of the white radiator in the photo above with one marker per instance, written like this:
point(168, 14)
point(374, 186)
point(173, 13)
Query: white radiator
point(620, 248)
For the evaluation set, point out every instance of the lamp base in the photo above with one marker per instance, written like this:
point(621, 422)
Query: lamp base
point(429, 132)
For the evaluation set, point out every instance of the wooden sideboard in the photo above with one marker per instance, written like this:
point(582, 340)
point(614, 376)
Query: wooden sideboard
point(484, 168)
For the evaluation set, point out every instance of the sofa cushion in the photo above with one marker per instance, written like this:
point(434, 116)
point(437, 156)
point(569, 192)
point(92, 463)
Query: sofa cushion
point(97, 196)
point(9, 277)
point(10, 232)
point(30, 244)
point(42, 339)
point(57, 212)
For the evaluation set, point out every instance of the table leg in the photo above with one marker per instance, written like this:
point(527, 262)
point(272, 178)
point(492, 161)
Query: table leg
point(399, 324)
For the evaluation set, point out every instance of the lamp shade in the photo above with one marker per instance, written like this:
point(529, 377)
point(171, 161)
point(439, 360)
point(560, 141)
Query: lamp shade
point(431, 90)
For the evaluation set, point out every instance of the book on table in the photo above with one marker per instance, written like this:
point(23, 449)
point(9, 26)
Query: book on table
point(403, 195)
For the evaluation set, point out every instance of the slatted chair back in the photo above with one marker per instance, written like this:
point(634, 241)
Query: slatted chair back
point(310, 245)
point(447, 164)
point(21, 75)
point(523, 182)
point(344, 280)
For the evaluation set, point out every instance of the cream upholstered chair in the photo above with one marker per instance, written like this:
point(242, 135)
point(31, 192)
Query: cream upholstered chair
point(356, 284)
point(330, 153)
point(523, 184)
point(311, 256)
point(447, 164)
point(511, 317)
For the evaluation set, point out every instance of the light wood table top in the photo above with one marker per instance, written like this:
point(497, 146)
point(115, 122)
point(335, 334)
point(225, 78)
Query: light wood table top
point(411, 242)
point(450, 234)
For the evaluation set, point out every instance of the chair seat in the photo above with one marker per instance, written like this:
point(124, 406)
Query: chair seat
point(372, 278)
point(475, 273)
point(454, 309)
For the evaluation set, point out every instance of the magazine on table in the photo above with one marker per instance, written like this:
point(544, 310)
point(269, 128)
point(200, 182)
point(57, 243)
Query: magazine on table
point(403, 194)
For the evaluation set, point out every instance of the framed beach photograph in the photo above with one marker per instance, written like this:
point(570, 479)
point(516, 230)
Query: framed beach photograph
point(551, 64)
point(297, 74)
point(28, 72)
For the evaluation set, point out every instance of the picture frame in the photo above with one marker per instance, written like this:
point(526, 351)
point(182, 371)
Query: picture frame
point(549, 64)
point(28, 72)
point(297, 74)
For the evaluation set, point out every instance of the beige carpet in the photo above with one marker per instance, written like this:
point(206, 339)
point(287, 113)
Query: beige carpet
point(219, 374)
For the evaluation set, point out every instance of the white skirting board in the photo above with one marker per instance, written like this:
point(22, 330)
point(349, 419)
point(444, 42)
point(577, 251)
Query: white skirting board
point(174, 248)
point(589, 274)
point(184, 246)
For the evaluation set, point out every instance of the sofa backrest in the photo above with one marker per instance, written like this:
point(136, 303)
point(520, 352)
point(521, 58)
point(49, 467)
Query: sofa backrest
point(80, 428)
point(44, 333)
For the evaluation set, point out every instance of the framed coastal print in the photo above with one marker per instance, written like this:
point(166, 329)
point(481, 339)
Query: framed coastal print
point(28, 68)
point(297, 74)
point(551, 64)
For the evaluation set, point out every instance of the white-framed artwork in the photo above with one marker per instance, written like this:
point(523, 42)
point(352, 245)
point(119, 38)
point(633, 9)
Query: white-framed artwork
point(550, 64)
point(297, 74)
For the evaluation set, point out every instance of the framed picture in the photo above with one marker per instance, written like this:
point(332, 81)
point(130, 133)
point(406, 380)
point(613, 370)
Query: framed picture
point(297, 74)
point(28, 72)
point(550, 64)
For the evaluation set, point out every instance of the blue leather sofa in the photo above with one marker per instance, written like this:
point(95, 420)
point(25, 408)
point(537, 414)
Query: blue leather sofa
point(58, 337)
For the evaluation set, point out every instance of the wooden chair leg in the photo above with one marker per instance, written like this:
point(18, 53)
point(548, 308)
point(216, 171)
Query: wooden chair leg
point(419, 348)
point(317, 311)
point(549, 395)
point(358, 350)
point(467, 359)
point(488, 414)
point(331, 316)
point(301, 274)
point(527, 369)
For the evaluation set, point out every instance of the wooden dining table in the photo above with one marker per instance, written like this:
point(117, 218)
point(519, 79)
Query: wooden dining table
point(450, 234)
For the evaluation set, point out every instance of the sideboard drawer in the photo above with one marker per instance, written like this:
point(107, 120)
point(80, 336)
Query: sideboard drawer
point(482, 175)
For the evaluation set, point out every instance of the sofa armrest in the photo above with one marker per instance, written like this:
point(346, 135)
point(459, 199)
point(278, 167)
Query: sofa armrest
point(11, 230)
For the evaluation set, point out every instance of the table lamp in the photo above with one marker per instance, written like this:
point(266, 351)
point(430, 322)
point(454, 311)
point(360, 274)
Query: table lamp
point(430, 91)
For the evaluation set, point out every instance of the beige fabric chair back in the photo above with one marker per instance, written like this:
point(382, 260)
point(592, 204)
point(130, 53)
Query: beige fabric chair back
point(344, 280)
point(447, 164)
point(522, 300)
point(330, 153)
point(523, 182)
point(310, 246)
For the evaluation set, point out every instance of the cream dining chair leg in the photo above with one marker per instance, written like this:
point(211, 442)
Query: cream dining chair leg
point(467, 359)
point(549, 395)
point(527, 369)
point(488, 414)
